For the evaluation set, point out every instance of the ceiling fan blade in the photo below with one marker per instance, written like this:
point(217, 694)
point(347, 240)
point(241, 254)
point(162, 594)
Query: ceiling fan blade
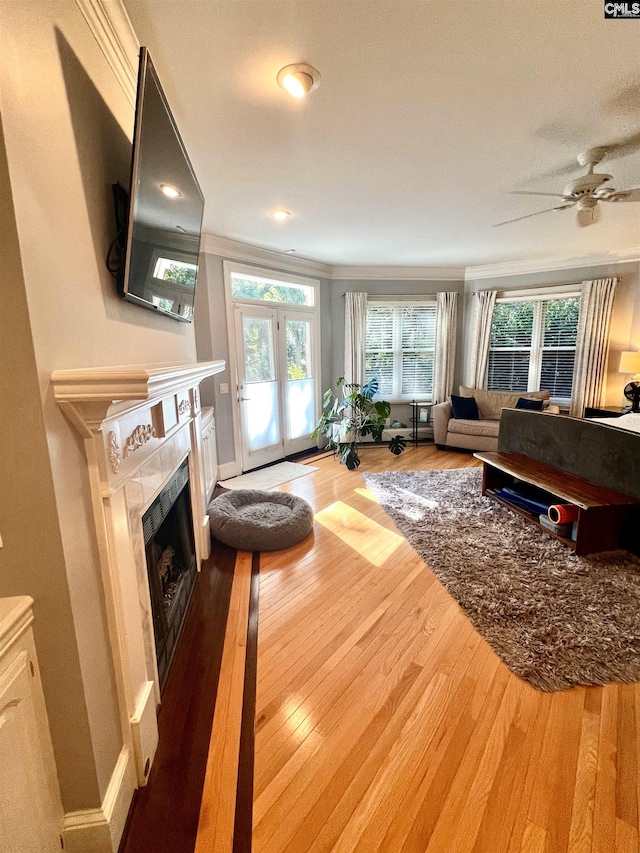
point(528, 215)
point(526, 192)
point(588, 216)
point(623, 195)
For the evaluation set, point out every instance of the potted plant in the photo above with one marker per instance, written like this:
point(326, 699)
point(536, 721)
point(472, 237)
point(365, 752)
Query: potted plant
point(351, 416)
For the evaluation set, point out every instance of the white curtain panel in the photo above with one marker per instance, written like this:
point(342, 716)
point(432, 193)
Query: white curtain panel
point(592, 345)
point(355, 334)
point(446, 329)
point(484, 301)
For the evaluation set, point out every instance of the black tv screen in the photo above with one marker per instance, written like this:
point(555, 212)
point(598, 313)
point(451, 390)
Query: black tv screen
point(165, 208)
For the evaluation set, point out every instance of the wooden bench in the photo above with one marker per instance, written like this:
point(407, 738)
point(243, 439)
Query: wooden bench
point(601, 511)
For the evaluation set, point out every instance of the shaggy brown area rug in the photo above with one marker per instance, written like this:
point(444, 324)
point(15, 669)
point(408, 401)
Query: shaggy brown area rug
point(555, 619)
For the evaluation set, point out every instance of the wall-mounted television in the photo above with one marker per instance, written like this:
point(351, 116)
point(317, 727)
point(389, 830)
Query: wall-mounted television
point(161, 214)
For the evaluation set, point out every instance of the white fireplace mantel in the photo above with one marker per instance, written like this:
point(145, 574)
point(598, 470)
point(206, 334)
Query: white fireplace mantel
point(139, 423)
point(85, 393)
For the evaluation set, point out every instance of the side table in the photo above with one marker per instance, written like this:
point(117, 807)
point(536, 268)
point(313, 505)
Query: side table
point(421, 426)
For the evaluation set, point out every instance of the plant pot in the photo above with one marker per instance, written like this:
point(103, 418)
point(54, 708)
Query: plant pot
point(342, 434)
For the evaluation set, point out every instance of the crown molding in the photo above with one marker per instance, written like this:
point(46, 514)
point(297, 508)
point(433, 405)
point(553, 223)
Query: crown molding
point(399, 273)
point(112, 28)
point(569, 262)
point(236, 251)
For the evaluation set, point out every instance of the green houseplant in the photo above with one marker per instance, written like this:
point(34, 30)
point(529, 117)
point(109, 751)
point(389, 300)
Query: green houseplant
point(350, 415)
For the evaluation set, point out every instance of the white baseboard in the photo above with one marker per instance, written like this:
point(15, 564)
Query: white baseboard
point(144, 731)
point(100, 830)
point(229, 469)
point(205, 538)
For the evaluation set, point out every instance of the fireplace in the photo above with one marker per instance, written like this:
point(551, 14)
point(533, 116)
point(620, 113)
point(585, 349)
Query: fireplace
point(171, 563)
point(143, 439)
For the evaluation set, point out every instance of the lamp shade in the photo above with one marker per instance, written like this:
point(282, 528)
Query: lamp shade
point(629, 362)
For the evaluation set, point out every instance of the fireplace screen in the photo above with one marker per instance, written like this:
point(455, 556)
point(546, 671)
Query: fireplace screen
point(171, 563)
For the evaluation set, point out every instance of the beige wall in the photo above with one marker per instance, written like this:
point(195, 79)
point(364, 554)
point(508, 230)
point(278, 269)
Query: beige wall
point(67, 127)
point(32, 559)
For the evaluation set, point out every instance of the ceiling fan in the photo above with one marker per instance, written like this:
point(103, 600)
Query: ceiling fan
point(584, 193)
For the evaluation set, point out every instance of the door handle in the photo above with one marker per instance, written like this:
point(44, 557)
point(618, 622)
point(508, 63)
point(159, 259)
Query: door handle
point(244, 399)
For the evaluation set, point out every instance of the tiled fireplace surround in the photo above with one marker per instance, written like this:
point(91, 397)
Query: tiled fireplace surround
point(138, 424)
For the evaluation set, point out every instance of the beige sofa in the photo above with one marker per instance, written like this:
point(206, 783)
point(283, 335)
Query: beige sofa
point(449, 432)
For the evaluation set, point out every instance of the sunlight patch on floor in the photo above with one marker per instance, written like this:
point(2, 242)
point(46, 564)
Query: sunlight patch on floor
point(413, 507)
point(298, 720)
point(371, 540)
point(367, 493)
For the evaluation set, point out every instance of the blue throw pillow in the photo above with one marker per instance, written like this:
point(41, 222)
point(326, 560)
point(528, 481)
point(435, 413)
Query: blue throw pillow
point(465, 407)
point(534, 405)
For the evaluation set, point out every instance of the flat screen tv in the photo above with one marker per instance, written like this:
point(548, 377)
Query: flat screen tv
point(162, 213)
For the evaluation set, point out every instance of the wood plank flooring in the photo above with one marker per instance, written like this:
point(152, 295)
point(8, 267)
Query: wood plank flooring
point(164, 815)
point(385, 723)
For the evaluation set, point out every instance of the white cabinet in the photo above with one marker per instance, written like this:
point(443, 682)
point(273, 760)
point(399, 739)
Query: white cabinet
point(30, 808)
point(209, 454)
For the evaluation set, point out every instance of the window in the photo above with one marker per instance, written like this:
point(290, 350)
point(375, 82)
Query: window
point(163, 304)
point(245, 286)
point(178, 272)
point(400, 348)
point(533, 346)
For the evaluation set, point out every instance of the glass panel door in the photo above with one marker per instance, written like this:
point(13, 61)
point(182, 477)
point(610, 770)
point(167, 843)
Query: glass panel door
point(277, 382)
point(258, 387)
point(300, 390)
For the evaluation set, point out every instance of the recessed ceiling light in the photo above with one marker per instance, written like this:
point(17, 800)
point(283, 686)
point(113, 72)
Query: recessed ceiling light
point(298, 80)
point(289, 251)
point(169, 191)
point(280, 214)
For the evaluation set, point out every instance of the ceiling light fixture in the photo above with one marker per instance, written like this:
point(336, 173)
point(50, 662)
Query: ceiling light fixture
point(169, 191)
point(298, 80)
point(289, 251)
point(280, 215)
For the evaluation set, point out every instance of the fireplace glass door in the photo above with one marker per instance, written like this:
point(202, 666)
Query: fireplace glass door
point(171, 563)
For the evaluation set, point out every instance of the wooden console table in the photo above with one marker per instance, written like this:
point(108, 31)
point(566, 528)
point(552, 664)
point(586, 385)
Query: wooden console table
point(601, 511)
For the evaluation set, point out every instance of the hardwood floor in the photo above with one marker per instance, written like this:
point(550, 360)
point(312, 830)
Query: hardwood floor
point(164, 815)
point(384, 722)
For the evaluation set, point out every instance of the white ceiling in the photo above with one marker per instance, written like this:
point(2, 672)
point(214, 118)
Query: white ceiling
point(428, 115)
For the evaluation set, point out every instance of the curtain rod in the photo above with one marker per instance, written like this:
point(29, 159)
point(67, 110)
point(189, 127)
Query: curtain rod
point(401, 295)
point(540, 289)
point(550, 284)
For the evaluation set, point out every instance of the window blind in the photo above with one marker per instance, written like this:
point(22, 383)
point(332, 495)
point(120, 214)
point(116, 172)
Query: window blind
point(533, 346)
point(560, 330)
point(379, 347)
point(400, 348)
point(510, 346)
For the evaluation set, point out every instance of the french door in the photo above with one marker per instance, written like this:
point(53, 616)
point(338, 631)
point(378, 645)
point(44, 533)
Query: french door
point(277, 382)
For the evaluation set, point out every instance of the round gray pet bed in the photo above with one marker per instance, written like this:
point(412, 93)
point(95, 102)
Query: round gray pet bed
point(254, 520)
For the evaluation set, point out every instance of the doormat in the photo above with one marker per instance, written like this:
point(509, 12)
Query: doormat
point(267, 478)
